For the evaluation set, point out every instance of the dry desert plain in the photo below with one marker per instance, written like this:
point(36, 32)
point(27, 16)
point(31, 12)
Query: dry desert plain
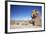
point(22, 24)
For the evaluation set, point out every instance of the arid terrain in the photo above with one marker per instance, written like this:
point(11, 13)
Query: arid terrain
point(21, 24)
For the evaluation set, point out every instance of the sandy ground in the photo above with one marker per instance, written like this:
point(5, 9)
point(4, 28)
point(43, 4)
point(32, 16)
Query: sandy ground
point(23, 26)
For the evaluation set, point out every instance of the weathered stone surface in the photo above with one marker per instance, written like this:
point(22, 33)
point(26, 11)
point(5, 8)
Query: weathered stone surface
point(37, 21)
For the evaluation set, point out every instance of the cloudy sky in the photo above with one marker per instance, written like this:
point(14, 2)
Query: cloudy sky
point(22, 12)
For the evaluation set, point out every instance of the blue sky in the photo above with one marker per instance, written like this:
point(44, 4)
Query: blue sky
point(22, 12)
